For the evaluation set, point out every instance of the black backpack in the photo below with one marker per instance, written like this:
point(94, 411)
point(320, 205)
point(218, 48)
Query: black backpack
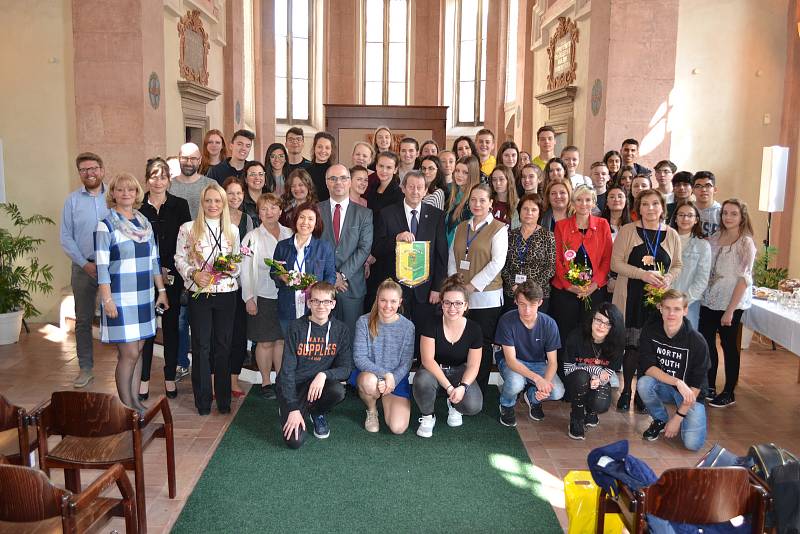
point(768, 456)
point(780, 469)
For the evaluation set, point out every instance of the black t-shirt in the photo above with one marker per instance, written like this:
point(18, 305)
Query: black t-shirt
point(304, 164)
point(224, 170)
point(453, 353)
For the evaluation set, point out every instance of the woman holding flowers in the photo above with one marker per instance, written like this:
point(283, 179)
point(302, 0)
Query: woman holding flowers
point(583, 258)
point(259, 292)
point(208, 257)
point(300, 261)
point(647, 259)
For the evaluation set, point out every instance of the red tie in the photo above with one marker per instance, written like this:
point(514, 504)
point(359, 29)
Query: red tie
point(337, 218)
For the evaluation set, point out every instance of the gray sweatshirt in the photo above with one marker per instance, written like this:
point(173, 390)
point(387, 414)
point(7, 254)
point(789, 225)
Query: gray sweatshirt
point(390, 352)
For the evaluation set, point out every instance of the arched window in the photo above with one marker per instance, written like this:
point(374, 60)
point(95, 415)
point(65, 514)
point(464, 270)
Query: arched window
point(294, 23)
point(385, 48)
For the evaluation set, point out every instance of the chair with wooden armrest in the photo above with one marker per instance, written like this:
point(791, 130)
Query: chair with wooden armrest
point(30, 503)
point(99, 431)
point(689, 495)
point(17, 434)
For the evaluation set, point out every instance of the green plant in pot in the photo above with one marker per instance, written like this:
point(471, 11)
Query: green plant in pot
point(21, 274)
point(763, 274)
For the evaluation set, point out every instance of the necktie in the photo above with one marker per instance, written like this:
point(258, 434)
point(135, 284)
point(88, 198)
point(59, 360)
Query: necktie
point(414, 223)
point(337, 219)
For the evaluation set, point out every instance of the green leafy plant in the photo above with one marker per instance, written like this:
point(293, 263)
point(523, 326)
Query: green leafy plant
point(18, 282)
point(763, 274)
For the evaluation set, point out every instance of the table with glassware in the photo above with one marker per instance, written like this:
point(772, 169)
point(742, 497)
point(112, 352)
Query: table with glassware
point(778, 318)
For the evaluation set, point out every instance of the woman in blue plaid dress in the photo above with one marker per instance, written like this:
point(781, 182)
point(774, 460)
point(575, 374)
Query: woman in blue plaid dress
point(127, 267)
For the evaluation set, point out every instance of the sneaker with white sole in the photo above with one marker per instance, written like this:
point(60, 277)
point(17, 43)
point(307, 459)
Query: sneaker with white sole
point(181, 372)
point(371, 424)
point(83, 378)
point(321, 428)
point(535, 411)
point(454, 417)
point(426, 424)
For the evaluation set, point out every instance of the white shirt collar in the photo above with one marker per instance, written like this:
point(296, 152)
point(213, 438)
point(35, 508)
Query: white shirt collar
point(474, 224)
point(408, 209)
point(344, 203)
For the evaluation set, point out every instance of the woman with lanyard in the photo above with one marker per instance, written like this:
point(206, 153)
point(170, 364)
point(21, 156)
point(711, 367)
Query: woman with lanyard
point(211, 313)
point(582, 240)
point(450, 351)
point(645, 252)
point(166, 214)
point(127, 269)
point(305, 253)
point(259, 292)
point(479, 250)
point(531, 254)
point(557, 197)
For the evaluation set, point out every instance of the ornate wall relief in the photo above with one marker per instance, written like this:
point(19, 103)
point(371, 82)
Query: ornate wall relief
point(561, 53)
point(194, 48)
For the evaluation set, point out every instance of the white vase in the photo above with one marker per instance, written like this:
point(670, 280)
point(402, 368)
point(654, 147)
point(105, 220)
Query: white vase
point(10, 325)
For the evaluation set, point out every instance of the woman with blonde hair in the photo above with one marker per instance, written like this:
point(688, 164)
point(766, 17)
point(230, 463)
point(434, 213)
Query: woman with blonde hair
point(211, 313)
point(466, 175)
point(382, 142)
point(213, 151)
point(383, 350)
point(127, 268)
point(363, 154)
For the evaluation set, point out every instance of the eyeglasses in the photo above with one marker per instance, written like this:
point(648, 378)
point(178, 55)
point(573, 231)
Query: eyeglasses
point(601, 323)
point(453, 304)
point(294, 140)
point(317, 302)
point(703, 186)
point(184, 159)
point(256, 174)
point(277, 156)
point(335, 179)
point(87, 170)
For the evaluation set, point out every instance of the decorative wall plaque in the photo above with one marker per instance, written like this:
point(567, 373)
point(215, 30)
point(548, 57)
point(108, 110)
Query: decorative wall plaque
point(561, 52)
point(154, 90)
point(597, 96)
point(194, 48)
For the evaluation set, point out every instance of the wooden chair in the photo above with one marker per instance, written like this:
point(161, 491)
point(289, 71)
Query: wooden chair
point(99, 431)
point(29, 502)
point(17, 436)
point(689, 495)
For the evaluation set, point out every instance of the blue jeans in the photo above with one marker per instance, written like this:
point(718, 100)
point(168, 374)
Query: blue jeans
point(513, 383)
point(694, 314)
point(183, 337)
point(655, 394)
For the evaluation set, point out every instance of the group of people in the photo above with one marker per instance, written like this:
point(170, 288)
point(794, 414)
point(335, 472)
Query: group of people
point(558, 279)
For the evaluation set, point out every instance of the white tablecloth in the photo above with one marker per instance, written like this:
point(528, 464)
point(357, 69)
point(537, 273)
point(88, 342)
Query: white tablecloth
point(776, 322)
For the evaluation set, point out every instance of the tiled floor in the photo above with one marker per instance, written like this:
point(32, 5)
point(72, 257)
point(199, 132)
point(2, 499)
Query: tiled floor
point(767, 409)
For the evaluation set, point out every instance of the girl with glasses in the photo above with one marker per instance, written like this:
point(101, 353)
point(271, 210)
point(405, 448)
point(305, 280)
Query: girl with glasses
point(275, 179)
point(696, 256)
point(431, 168)
point(255, 177)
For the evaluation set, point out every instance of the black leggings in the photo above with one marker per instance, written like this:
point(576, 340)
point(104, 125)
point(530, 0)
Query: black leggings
point(630, 366)
point(584, 398)
point(487, 319)
point(332, 394)
point(709, 326)
point(169, 333)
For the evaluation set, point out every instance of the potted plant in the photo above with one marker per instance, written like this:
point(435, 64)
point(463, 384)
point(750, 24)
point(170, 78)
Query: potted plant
point(763, 274)
point(21, 274)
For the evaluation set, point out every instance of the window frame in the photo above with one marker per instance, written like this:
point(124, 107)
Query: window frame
point(386, 43)
point(478, 60)
point(289, 56)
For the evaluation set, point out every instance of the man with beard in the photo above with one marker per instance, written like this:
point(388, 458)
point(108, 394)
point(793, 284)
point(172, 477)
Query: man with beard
point(189, 183)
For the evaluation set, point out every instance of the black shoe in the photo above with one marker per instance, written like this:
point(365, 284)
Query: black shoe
point(722, 400)
point(624, 402)
point(576, 428)
point(638, 405)
point(268, 392)
point(507, 416)
point(535, 411)
point(711, 393)
point(655, 428)
point(144, 396)
point(171, 394)
point(204, 411)
point(591, 419)
point(224, 410)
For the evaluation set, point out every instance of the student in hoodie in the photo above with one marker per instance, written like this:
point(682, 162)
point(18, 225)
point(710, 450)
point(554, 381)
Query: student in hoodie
point(317, 356)
point(593, 351)
point(673, 362)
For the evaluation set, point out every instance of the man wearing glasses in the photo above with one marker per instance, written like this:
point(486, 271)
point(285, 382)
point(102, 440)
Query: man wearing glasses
point(664, 172)
point(530, 341)
point(704, 187)
point(241, 143)
point(294, 149)
point(83, 209)
point(189, 183)
point(317, 357)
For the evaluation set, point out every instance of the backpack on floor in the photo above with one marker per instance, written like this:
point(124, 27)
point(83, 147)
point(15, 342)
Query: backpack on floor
point(780, 469)
point(767, 456)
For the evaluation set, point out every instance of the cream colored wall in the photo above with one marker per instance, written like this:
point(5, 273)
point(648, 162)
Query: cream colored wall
point(794, 205)
point(37, 123)
point(727, 79)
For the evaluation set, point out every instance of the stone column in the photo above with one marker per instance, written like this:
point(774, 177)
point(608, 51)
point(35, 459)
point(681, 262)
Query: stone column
point(233, 60)
point(264, 41)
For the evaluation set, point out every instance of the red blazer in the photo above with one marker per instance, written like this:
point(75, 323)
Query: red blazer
point(597, 243)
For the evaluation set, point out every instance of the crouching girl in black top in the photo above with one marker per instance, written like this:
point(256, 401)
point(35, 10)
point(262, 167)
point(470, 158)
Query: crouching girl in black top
point(593, 351)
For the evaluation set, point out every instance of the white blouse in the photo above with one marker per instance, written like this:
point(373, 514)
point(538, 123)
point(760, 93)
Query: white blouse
point(255, 278)
point(201, 254)
point(729, 264)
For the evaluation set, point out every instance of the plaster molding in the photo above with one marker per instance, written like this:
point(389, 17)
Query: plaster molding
point(189, 24)
point(567, 30)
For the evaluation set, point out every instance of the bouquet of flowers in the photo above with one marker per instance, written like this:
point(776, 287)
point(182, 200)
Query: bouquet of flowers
point(579, 275)
point(224, 265)
point(654, 295)
point(297, 280)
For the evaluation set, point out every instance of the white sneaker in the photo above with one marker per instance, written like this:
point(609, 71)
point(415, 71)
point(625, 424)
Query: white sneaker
point(454, 417)
point(426, 424)
point(371, 424)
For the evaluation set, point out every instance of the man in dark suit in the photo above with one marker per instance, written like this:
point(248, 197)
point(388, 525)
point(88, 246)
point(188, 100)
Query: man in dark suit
point(411, 220)
point(348, 227)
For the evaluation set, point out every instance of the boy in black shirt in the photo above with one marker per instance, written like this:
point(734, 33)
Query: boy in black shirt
point(317, 356)
point(673, 362)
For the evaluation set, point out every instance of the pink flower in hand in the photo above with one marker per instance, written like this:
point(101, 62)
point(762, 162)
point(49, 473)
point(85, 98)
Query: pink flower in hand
point(569, 254)
point(246, 251)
